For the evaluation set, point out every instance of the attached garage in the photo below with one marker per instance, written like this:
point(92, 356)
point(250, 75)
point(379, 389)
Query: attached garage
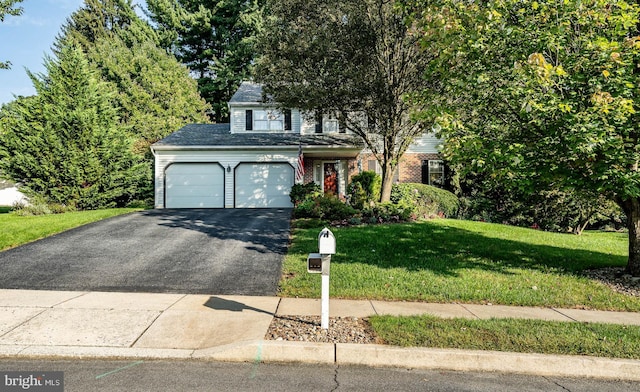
point(208, 166)
point(263, 185)
point(194, 185)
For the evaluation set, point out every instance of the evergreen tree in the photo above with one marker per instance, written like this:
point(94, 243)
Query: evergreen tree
point(65, 144)
point(156, 94)
point(214, 39)
point(8, 7)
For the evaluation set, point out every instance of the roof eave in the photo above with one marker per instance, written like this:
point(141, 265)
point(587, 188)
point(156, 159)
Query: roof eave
point(307, 149)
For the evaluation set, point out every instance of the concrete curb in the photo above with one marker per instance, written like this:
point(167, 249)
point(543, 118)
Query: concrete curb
point(271, 351)
point(488, 361)
point(267, 351)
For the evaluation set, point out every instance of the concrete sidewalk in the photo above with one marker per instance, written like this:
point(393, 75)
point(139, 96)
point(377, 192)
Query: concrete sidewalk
point(58, 324)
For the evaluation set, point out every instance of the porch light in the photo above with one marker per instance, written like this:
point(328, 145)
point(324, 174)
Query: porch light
point(228, 168)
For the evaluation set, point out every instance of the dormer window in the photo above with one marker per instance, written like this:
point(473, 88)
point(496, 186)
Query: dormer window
point(268, 120)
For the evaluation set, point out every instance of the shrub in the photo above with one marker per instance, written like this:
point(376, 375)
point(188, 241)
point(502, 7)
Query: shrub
point(325, 207)
point(364, 188)
point(32, 209)
point(388, 212)
point(145, 204)
point(307, 208)
point(300, 192)
point(332, 208)
point(549, 210)
point(39, 205)
point(427, 200)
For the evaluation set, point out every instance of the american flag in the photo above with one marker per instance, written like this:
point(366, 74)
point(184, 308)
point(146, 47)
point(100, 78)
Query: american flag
point(300, 166)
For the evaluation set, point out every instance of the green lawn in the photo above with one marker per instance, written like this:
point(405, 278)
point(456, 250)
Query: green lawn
point(472, 262)
point(17, 230)
point(525, 336)
point(462, 261)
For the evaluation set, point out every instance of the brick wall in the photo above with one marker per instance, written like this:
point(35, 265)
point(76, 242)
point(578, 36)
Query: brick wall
point(411, 166)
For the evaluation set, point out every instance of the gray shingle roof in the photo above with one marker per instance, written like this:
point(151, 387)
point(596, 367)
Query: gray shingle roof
point(220, 135)
point(248, 92)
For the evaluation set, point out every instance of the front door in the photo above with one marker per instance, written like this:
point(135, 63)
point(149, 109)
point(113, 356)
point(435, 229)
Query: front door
point(330, 178)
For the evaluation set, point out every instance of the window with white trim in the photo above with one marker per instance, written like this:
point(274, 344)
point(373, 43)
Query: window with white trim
point(268, 120)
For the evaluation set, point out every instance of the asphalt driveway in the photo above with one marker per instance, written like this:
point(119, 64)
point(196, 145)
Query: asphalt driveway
point(207, 251)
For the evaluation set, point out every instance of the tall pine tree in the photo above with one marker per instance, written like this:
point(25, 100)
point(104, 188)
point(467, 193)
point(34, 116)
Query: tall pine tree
point(156, 94)
point(214, 39)
point(66, 144)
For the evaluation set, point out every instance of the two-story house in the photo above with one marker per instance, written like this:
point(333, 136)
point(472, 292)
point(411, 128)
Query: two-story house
point(251, 162)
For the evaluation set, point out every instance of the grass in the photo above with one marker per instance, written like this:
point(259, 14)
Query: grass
point(473, 262)
point(16, 230)
point(462, 261)
point(514, 335)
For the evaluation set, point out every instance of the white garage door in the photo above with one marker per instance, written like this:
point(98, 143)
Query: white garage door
point(194, 185)
point(260, 185)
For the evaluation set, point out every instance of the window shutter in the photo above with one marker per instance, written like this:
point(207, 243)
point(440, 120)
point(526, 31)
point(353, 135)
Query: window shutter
point(425, 172)
point(318, 122)
point(249, 120)
point(287, 120)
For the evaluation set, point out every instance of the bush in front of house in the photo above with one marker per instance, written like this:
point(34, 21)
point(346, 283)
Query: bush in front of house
point(363, 189)
point(300, 192)
point(325, 207)
point(388, 213)
point(427, 200)
point(408, 202)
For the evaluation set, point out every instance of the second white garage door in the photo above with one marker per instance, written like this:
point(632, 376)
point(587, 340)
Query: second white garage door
point(263, 185)
point(194, 185)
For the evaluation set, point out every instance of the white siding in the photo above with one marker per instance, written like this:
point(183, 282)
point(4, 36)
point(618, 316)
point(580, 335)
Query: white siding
point(428, 143)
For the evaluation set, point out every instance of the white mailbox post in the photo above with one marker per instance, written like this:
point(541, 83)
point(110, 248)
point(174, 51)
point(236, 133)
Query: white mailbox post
point(319, 263)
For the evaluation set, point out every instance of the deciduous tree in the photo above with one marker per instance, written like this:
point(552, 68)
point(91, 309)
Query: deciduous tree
point(357, 60)
point(541, 94)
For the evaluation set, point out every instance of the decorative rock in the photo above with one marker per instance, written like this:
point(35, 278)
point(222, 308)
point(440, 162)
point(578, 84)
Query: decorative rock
point(616, 279)
point(308, 329)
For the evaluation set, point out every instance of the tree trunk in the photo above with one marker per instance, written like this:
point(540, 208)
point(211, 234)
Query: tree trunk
point(631, 208)
point(387, 183)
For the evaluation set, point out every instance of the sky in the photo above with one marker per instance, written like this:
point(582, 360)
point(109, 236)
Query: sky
point(26, 39)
